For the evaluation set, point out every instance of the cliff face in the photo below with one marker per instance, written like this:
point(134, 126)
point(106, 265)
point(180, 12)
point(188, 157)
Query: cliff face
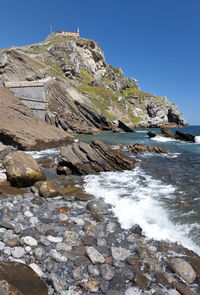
point(87, 93)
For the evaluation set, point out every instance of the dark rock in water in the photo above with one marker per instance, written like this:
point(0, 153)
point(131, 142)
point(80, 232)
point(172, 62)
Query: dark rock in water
point(167, 133)
point(23, 278)
point(184, 136)
point(22, 169)
point(122, 127)
point(151, 134)
point(140, 148)
point(95, 206)
point(183, 269)
point(176, 135)
point(82, 158)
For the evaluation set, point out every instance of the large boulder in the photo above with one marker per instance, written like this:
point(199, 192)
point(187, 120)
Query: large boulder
point(183, 269)
point(19, 279)
point(22, 169)
point(82, 158)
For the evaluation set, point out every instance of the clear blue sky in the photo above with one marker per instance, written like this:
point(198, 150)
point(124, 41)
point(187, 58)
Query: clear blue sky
point(155, 41)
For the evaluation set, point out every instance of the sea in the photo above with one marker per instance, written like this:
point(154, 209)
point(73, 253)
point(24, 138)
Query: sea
point(162, 192)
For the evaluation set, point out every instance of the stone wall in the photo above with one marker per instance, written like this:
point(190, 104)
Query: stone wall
point(32, 95)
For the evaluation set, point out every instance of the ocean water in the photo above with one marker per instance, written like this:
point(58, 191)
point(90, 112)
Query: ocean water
point(162, 193)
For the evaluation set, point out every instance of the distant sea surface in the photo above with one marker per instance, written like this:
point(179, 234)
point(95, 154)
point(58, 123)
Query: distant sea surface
point(162, 194)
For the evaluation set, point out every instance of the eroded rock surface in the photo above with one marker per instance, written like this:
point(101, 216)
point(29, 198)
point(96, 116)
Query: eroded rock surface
point(19, 127)
point(82, 158)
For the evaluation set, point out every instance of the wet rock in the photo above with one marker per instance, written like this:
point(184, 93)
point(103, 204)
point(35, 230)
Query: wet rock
point(119, 253)
point(29, 241)
point(173, 292)
point(183, 269)
point(83, 158)
point(134, 262)
point(22, 169)
point(71, 238)
point(118, 282)
point(23, 278)
point(70, 190)
point(58, 256)
point(12, 242)
point(151, 134)
point(94, 255)
point(97, 217)
point(53, 239)
point(113, 292)
point(93, 270)
point(83, 197)
point(78, 251)
point(95, 206)
point(90, 229)
point(8, 289)
point(107, 272)
point(137, 148)
point(132, 291)
point(90, 241)
point(90, 285)
point(47, 190)
point(58, 284)
point(141, 281)
point(37, 269)
point(78, 273)
point(161, 279)
point(17, 252)
point(183, 289)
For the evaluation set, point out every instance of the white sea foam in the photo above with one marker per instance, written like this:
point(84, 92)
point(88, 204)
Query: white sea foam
point(137, 198)
point(141, 131)
point(197, 139)
point(50, 153)
point(162, 139)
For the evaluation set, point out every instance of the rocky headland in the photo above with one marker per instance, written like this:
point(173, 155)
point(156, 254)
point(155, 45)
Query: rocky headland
point(83, 94)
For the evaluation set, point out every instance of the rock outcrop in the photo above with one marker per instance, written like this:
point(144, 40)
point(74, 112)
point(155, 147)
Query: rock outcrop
point(19, 127)
point(82, 159)
point(86, 92)
point(137, 148)
point(176, 135)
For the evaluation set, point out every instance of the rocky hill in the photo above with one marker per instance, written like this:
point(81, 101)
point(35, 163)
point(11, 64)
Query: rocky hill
point(86, 94)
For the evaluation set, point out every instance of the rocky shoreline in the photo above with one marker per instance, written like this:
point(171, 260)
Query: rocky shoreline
point(76, 246)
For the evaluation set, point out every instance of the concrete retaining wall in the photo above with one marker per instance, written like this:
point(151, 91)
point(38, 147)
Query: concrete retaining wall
point(32, 95)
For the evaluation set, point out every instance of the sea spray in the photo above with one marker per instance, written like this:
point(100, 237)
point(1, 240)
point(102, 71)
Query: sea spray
point(137, 198)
